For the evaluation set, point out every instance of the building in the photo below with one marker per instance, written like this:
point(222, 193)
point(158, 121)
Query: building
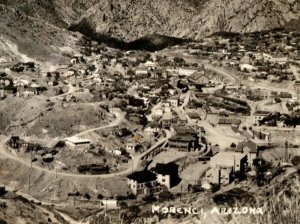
point(169, 119)
point(16, 142)
point(194, 117)
point(229, 121)
point(141, 71)
point(174, 101)
point(109, 204)
point(78, 143)
point(224, 165)
point(140, 181)
point(167, 174)
point(238, 161)
point(198, 79)
point(150, 65)
point(183, 131)
point(260, 115)
point(253, 149)
point(183, 143)
point(131, 146)
point(187, 71)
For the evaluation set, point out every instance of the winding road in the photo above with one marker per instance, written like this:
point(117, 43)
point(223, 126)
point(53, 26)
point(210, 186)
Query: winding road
point(134, 166)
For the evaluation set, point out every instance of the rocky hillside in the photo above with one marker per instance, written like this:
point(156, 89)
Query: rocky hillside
point(129, 20)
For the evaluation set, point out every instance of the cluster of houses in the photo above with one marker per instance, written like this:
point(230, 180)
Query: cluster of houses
point(227, 166)
point(152, 181)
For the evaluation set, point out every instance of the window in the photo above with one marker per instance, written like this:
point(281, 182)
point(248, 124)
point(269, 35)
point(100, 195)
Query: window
point(163, 180)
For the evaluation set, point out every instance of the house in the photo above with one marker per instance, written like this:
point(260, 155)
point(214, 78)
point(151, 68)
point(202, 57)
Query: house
point(157, 113)
point(253, 149)
point(194, 117)
point(248, 68)
point(10, 90)
point(16, 142)
point(150, 65)
point(140, 181)
point(109, 204)
point(260, 115)
point(183, 143)
point(169, 119)
point(229, 121)
point(238, 161)
point(187, 71)
point(183, 130)
point(174, 101)
point(78, 143)
point(131, 146)
point(123, 132)
point(167, 174)
point(117, 152)
point(285, 95)
point(141, 71)
point(224, 165)
point(265, 57)
point(280, 60)
point(77, 59)
point(198, 79)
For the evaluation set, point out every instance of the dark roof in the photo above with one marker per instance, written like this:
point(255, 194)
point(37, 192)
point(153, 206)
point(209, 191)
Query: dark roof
point(229, 121)
point(15, 138)
point(182, 138)
point(142, 176)
point(262, 113)
point(166, 169)
point(183, 131)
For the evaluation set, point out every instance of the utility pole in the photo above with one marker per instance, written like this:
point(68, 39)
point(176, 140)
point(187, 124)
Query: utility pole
point(29, 181)
point(286, 151)
point(31, 158)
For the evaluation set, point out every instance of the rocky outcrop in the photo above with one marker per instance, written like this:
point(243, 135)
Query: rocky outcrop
point(129, 19)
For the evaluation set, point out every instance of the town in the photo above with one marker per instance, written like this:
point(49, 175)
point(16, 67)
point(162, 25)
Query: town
point(194, 123)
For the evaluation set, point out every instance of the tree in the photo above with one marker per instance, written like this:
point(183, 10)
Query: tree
point(165, 196)
point(100, 197)
point(149, 198)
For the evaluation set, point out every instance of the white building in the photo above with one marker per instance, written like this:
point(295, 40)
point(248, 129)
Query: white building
point(229, 159)
point(78, 143)
point(150, 64)
point(187, 71)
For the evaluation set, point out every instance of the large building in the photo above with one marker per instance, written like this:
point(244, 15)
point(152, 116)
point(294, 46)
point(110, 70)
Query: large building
point(260, 115)
point(224, 165)
point(183, 139)
point(182, 143)
point(141, 181)
point(167, 174)
point(187, 71)
point(78, 143)
point(170, 119)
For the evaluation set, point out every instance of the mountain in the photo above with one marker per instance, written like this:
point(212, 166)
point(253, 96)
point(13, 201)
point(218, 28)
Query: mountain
point(130, 20)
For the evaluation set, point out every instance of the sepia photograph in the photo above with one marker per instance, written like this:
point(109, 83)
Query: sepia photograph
point(149, 112)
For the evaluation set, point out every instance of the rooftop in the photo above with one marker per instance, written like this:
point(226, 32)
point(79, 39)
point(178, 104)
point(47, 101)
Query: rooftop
point(227, 159)
point(142, 176)
point(184, 130)
point(166, 169)
point(182, 138)
point(75, 139)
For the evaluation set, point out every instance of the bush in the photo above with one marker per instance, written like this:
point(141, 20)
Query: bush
point(296, 160)
point(100, 196)
point(149, 198)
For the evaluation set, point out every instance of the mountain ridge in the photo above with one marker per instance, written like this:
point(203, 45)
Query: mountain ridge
point(130, 21)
